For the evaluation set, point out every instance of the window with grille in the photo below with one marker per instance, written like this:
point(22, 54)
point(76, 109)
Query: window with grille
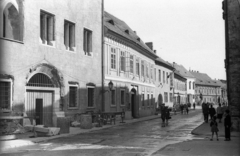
point(137, 67)
point(113, 58)
point(123, 61)
point(47, 28)
point(69, 35)
point(40, 80)
point(5, 95)
point(87, 42)
point(131, 63)
point(113, 97)
point(90, 97)
point(72, 96)
point(122, 97)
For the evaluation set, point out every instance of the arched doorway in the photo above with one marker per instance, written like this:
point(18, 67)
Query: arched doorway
point(43, 94)
point(133, 103)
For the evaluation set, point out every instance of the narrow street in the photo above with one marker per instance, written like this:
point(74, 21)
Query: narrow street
point(141, 138)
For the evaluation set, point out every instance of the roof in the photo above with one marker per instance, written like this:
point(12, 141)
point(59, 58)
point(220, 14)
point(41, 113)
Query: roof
point(121, 28)
point(164, 63)
point(183, 71)
point(204, 79)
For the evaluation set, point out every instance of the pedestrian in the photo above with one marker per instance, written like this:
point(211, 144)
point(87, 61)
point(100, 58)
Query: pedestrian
point(167, 111)
point(227, 125)
point(163, 114)
point(186, 108)
point(212, 112)
point(214, 127)
point(194, 105)
point(219, 113)
point(181, 107)
point(205, 108)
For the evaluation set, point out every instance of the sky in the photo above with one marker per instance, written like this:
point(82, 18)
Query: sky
point(187, 32)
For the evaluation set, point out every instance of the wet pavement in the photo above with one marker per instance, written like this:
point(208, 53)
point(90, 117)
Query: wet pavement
point(141, 138)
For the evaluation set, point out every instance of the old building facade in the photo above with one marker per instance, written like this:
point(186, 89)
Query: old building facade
point(50, 51)
point(206, 89)
point(129, 65)
point(164, 83)
point(180, 89)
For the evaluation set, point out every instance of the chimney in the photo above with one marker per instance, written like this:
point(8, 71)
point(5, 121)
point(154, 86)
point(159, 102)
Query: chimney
point(173, 64)
point(150, 45)
point(155, 51)
point(135, 32)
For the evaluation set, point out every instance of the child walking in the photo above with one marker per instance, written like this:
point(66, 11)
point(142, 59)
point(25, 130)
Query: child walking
point(214, 127)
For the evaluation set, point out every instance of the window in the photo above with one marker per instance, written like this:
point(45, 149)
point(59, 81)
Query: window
point(189, 84)
point(137, 67)
point(151, 72)
point(122, 97)
point(91, 97)
point(148, 100)
point(142, 68)
point(47, 28)
point(113, 97)
point(163, 76)
point(87, 42)
point(165, 96)
point(167, 77)
point(69, 35)
point(147, 72)
point(152, 100)
point(11, 22)
point(123, 61)
point(113, 58)
point(5, 95)
point(131, 63)
point(155, 74)
point(142, 99)
point(193, 85)
point(72, 96)
point(159, 75)
point(171, 97)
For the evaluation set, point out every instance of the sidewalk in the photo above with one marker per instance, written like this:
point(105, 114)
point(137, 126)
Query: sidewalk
point(26, 139)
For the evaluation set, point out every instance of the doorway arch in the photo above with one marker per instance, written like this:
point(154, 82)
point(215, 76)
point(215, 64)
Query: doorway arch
point(133, 103)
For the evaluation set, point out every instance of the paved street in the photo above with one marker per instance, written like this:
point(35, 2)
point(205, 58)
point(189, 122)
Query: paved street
point(141, 138)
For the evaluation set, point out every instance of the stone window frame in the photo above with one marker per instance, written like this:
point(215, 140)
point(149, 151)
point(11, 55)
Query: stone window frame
point(11, 92)
point(88, 42)
point(69, 35)
point(47, 28)
point(122, 61)
point(69, 94)
point(3, 5)
point(93, 95)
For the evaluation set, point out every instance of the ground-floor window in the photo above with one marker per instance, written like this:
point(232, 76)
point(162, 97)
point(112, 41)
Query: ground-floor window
point(122, 97)
point(165, 96)
point(142, 99)
point(171, 97)
point(152, 100)
point(72, 96)
point(91, 96)
point(5, 95)
point(113, 97)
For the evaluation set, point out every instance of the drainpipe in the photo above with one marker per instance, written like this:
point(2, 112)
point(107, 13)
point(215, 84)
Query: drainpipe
point(103, 74)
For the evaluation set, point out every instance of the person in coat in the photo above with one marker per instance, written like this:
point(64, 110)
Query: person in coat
point(167, 111)
point(227, 125)
point(163, 115)
point(212, 112)
point(219, 113)
point(205, 109)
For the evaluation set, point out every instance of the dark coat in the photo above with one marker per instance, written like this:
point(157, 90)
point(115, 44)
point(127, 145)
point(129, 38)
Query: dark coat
point(227, 121)
point(212, 111)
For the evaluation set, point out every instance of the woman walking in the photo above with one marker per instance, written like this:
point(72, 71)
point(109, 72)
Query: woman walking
point(212, 112)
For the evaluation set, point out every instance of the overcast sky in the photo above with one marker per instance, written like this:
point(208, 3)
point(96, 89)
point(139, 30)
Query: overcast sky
point(188, 32)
